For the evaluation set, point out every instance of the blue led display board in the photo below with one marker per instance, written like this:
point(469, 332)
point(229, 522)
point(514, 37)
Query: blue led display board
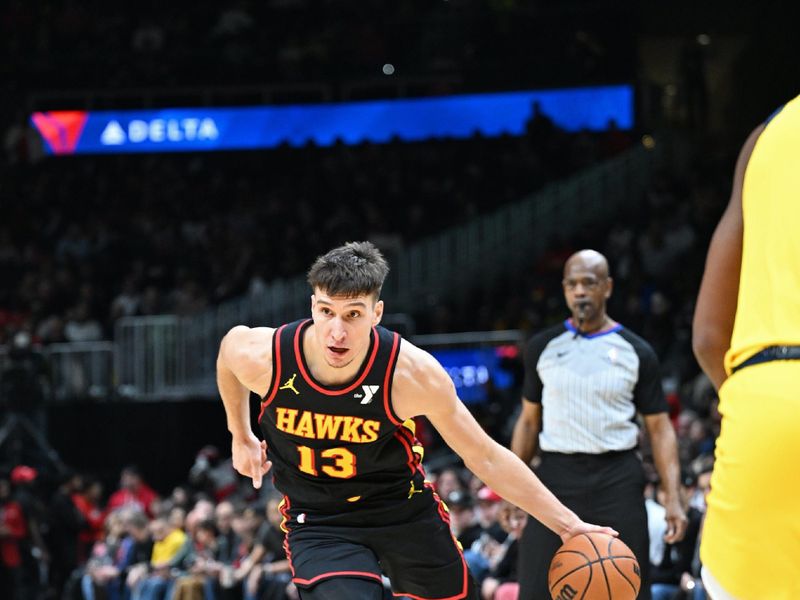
point(378, 121)
point(472, 369)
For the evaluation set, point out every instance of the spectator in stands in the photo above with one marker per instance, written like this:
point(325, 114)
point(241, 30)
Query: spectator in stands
point(13, 533)
point(133, 492)
point(669, 563)
point(202, 510)
point(65, 523)
point(126, 303)
point(270, 572)
point(176, 518)
point(463, 523)
point(487, 533)
point(22, 143)
point(501, 581)
point(539, 127)
point(89, 501)
point(104, 572)
point(691, 582)
point(81, 326)
point(137, 550)
point(246, 522)
point(466, 530)
point(203, 567)
point(152, 302)
point(171, 550)
point(448, 481)
point(613, 140)
point(33, 549)
point(217, 567)
point(488, 513)
point(213, 474)
point(180, 498)
point(228, 540)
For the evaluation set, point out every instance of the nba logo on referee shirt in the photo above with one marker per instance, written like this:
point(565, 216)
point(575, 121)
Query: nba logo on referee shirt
point(369, 392)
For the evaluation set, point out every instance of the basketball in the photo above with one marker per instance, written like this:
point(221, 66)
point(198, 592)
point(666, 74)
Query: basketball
point(594, 566)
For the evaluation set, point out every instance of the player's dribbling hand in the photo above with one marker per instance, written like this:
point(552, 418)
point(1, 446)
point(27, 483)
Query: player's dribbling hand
point(250, 458)
point(581, 527)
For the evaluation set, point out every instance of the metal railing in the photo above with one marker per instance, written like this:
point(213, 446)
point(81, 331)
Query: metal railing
point(150, 358)
point(82, 370)
point(73, 370)
point(169, 356)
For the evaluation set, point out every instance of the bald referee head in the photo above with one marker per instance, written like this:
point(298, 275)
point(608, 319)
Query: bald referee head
point(587, 286)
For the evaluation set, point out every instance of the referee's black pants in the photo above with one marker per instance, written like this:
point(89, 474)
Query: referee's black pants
point(603, 489)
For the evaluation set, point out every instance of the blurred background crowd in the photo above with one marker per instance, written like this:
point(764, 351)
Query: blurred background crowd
point(212, 536)
point(100, 238)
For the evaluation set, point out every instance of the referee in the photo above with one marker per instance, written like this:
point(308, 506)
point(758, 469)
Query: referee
point(585, 380)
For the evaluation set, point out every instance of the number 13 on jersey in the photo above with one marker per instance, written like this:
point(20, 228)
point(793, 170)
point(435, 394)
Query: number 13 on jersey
point(342, 465)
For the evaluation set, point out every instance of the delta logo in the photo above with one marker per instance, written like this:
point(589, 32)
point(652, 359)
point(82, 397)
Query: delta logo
point(157, 131)
point(61, 129)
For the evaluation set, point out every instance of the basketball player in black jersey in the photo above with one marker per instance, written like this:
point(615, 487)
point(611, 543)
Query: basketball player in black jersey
point(338, 396)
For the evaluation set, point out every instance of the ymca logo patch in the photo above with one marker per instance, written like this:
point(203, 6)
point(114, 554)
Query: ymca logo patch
point(369, 393)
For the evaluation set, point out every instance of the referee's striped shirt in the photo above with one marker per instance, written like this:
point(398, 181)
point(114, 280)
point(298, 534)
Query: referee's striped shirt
point(591, 387)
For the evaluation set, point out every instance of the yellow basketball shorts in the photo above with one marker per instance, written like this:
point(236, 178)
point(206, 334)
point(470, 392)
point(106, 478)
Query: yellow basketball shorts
point(751, 537)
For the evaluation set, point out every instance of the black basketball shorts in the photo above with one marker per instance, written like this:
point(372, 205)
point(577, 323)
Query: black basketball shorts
point(411, 543)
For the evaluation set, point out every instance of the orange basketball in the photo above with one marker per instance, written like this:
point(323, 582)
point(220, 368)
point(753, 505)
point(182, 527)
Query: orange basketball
point(594, 566)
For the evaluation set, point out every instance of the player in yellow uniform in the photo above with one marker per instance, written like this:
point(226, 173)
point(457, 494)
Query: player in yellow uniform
point(750, 349)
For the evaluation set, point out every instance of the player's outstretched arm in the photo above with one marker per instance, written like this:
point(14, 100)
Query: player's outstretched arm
point(422, 387)
point(244, 364)
point(715, 310)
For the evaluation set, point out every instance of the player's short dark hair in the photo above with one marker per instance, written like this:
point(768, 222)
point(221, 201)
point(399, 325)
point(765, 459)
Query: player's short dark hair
point(355, 269)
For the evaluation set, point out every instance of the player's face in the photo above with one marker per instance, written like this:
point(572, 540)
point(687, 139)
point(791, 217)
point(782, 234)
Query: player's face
point(586, 291)
point(342, 325)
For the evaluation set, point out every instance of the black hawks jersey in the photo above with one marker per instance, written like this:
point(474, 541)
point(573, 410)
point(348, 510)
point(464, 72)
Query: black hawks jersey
point(338, 447)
